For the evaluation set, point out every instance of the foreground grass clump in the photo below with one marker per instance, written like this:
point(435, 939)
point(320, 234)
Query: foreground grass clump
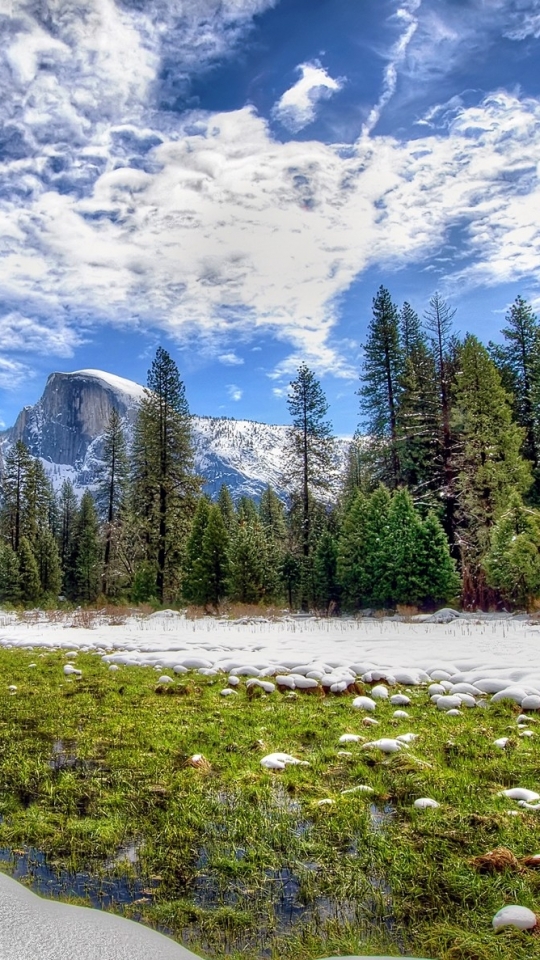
point(100, 800)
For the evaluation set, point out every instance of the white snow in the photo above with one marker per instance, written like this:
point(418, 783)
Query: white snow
point(129, 388)
point(475, 650)
point(514, 916)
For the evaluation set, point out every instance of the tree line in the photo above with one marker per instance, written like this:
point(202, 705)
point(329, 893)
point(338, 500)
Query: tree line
point(438, 501)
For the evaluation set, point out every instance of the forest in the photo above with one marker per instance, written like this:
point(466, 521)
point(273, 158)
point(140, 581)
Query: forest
point(439, 501)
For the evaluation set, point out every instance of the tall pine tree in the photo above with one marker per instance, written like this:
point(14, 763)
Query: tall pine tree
point(487, 461)
point(380, 386)
point(164, 483)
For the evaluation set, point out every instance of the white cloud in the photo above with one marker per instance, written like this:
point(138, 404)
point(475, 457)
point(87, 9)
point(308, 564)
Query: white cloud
point(13, 373)
point(297, 107)
point(235, 393)
point(405, 14)
point(19, 333)
point(230, 359)
point(236, 234)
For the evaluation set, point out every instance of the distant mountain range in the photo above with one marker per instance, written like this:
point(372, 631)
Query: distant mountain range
point(65, 429)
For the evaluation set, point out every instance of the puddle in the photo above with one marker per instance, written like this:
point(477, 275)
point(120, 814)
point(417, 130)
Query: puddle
point(31, 867)
point(64, 755)
point(380, 817)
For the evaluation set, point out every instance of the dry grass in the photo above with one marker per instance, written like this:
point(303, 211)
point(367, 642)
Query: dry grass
point(496, 861)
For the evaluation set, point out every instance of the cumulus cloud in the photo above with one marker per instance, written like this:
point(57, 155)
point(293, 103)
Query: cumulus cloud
point(13, 373)
point(235, 393)
point(230, 359)
point(236, 234)
point(19, 333)
point(297, 107)
point(214, 229)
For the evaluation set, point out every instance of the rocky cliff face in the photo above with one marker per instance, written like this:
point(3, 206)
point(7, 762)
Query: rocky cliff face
point(65, 429)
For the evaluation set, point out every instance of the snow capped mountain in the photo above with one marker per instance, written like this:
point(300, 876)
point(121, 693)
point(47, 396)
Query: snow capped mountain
point(65, 429)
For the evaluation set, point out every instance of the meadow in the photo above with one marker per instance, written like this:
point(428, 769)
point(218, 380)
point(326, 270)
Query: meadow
point(149, 799)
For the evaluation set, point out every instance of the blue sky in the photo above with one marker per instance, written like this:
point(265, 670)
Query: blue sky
point(233, 179)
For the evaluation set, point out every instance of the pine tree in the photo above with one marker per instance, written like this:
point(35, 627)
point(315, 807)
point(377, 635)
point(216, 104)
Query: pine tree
point(417, 410)
point(487, 461)
point(518, 360)
point(214, 561)
point(380, 385)
point(272, 518)
point(193, 588)
point(226, 505)
point(248, 563)
point(67, 515)
point(415, 563)
point(327, 589)
point(512, 563)
point(359, 548)
point(17, 467)
point(309, 454)
point(85, 560)
point(48, 563)
point(112, 483)
point(164, 484)
point(28, 572)
point(37, 503)
point(438, 321)
point(10, 589)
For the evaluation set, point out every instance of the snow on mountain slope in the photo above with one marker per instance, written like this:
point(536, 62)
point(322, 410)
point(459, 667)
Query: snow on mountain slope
point(65, 429)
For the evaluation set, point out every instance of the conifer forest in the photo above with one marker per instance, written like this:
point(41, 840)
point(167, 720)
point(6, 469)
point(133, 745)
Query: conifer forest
point(439, 502)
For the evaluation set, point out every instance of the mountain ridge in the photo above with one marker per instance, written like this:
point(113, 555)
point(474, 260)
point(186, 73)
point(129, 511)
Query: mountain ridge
point(65, 428)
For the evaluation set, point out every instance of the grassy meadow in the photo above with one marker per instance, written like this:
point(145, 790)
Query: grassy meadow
point(102, 803)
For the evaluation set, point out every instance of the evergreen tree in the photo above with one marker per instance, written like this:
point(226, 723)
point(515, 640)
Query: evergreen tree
point(10, 590)
point(17, 467)
point(518, 360)
point(48, 563)
point(309, 453)
point(326, 585)
point(290, 575)
point(359, 547)
point(512, 563)
point(28, 572)
point(86, 552)
point(380, 388)
point(37, 503)
point(226, 505)
point(438, 321)
point(143, 587)
point(415, 566)
point(193, 588)
point(67, 518)
point(417, 410)
point(272, 518)
point(112, 482)
point(248, 569)
point(164, 484)
point(214, 561)
point(487, 461)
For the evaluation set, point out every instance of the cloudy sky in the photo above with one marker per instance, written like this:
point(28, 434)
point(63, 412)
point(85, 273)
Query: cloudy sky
point(233, 179)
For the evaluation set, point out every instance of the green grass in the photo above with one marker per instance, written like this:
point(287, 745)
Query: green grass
point(95, 774)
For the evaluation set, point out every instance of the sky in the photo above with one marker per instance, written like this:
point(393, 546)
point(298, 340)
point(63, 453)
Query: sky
point(234, 179)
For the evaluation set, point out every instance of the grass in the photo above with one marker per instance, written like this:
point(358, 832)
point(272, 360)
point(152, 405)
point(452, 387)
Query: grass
point(95, 777)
